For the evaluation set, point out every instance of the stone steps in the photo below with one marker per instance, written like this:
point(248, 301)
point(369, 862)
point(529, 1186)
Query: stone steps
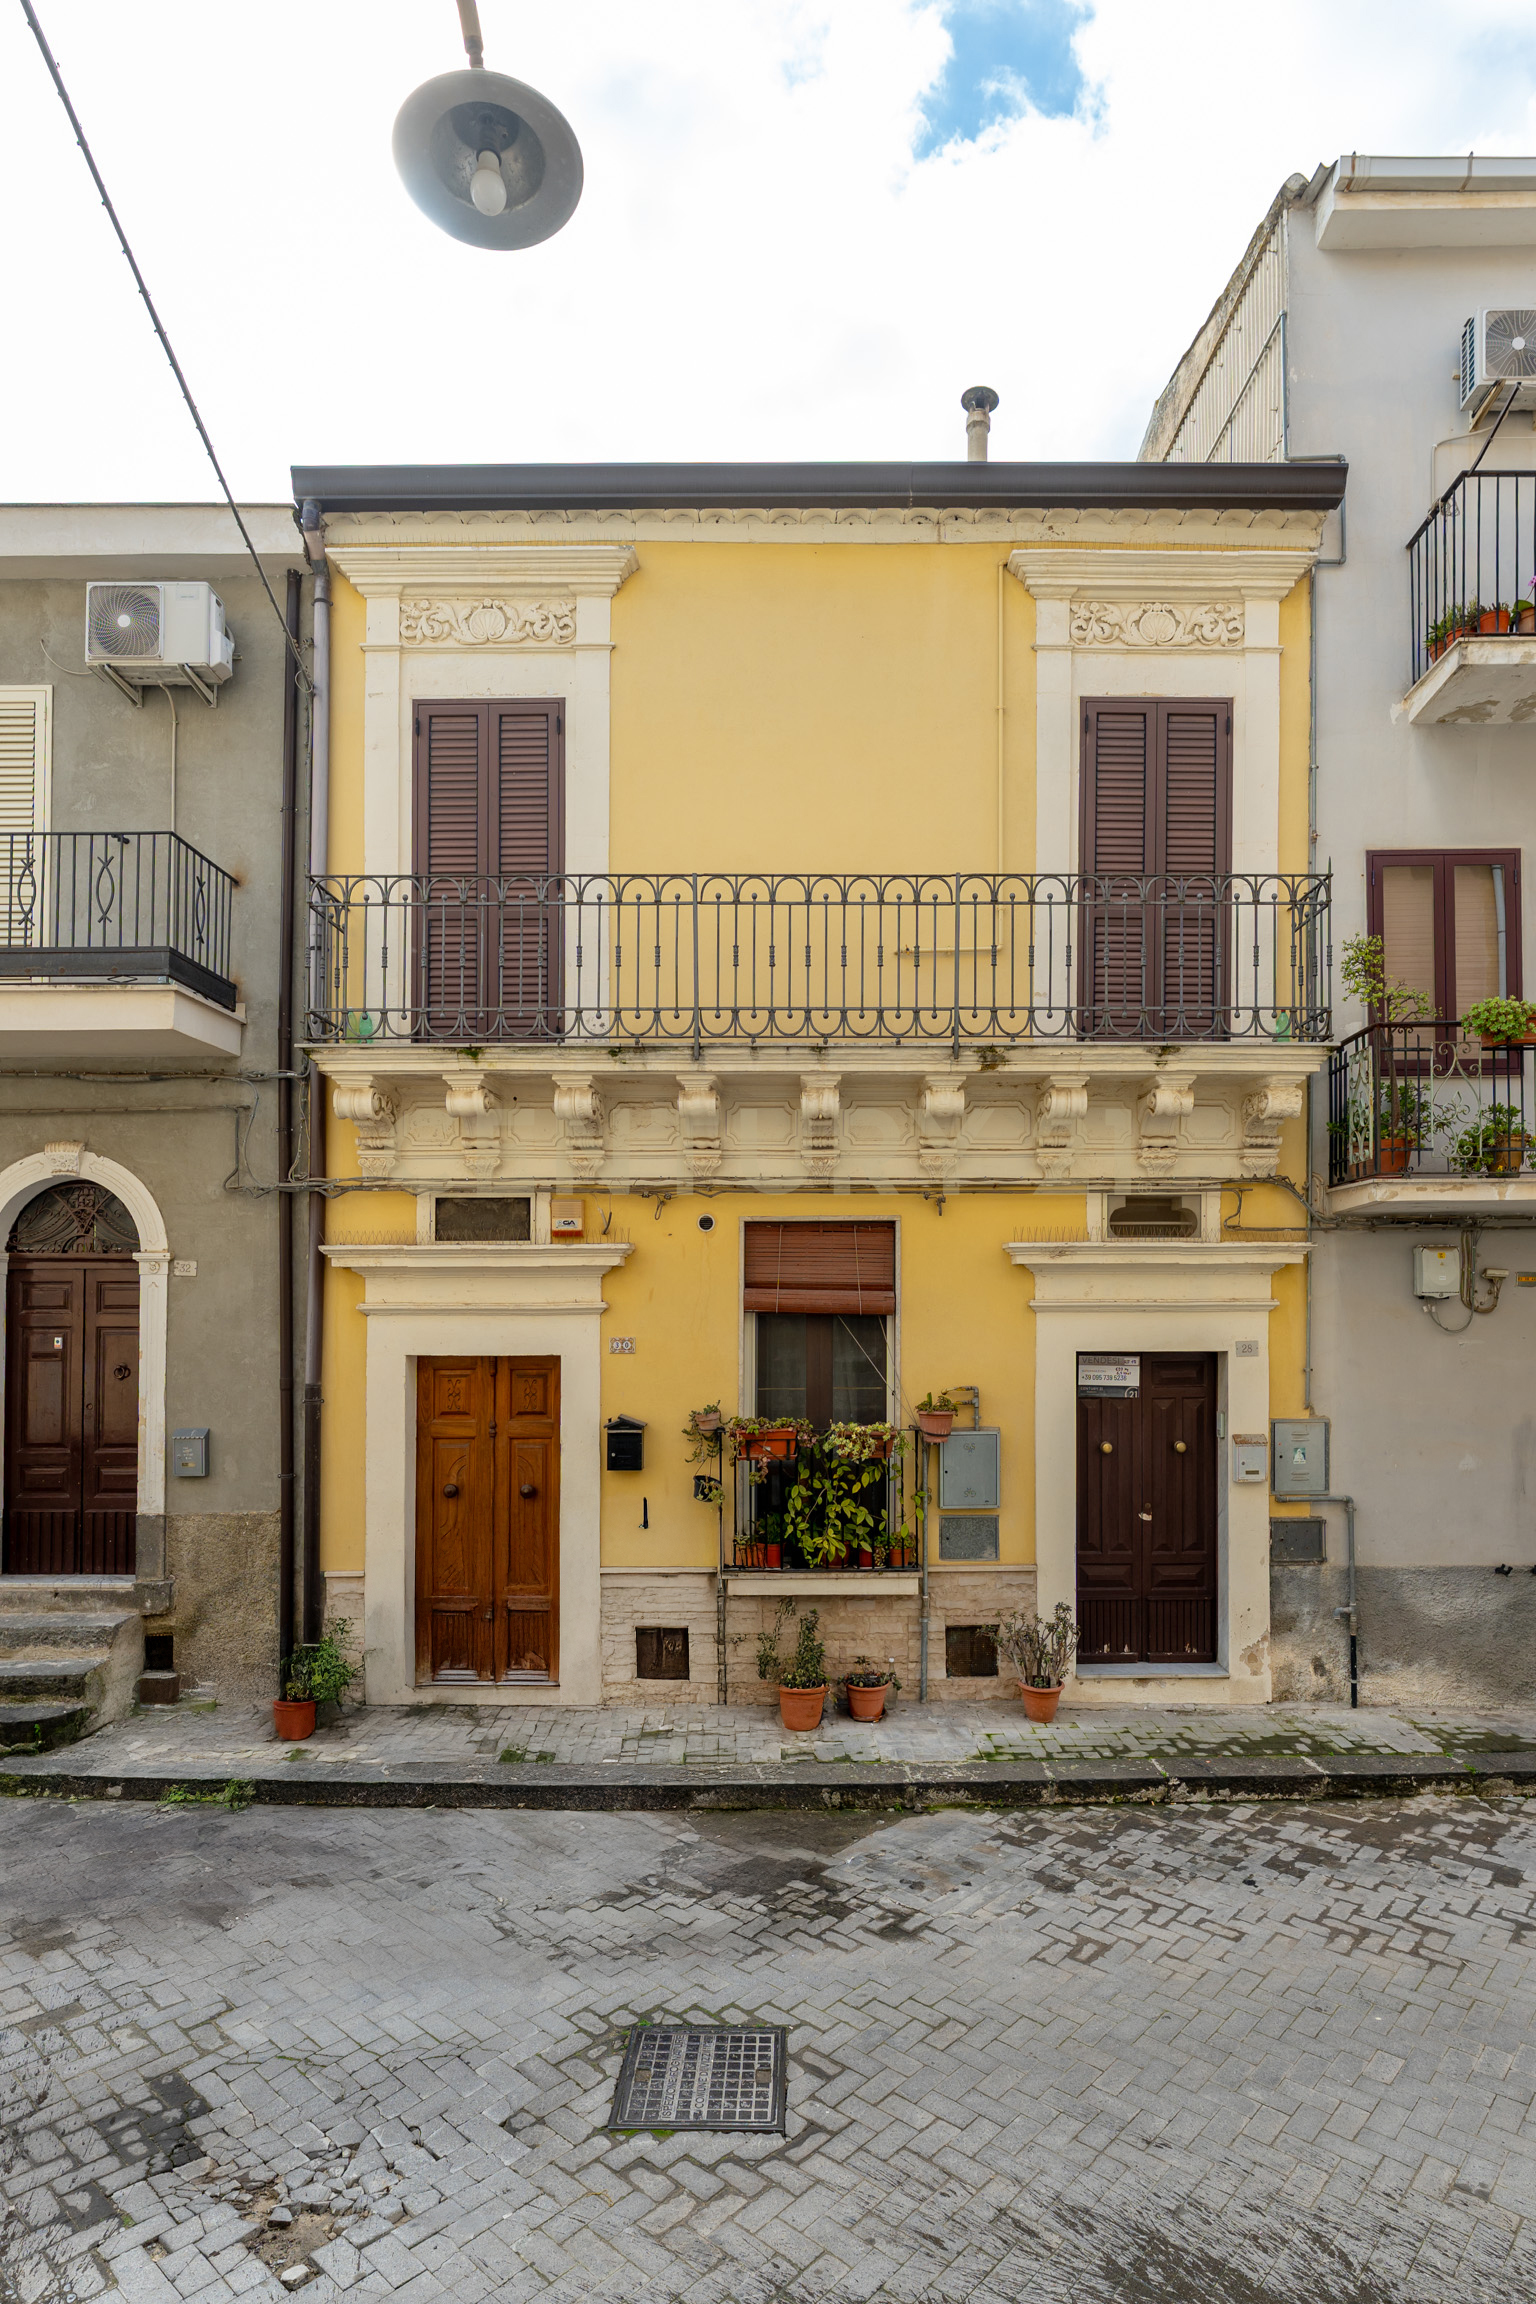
point(37, 1724)
point(73, 1643)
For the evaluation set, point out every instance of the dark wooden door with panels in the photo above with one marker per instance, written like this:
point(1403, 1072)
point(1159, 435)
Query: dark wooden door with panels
point(487, 1520)
point(1146, 1508)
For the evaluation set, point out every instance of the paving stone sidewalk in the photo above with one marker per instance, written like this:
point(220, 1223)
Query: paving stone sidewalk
point(1115, 2056)
point(237, 1740)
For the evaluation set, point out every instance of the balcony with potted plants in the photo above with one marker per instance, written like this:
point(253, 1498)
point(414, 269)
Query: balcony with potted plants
point(1431, 1114)
point(1472, 586)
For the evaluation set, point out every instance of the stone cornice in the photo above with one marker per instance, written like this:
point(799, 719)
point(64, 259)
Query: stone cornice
point(1182, 575)
point(1171, 528)
point(1229, 1061)
point(385, 563)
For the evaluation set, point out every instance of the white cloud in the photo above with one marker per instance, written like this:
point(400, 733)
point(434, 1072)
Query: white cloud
point(758, 267)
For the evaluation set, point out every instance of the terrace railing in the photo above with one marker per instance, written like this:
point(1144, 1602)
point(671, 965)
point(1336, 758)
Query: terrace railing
point(1424, 1100)
point(141, 905)
point(1472, 564)
point(690, 959)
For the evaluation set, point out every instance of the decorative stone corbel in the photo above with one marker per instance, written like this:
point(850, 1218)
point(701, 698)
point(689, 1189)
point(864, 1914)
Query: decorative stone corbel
point(1265, 1112)
point(472, 1103)
point(820, 1110)
point(579, 1111)
point(374, 1114)
point(1060, 1110)
point(1165, 1103)
point(63, 1159)
point(700, 1119)
point(940, 1116)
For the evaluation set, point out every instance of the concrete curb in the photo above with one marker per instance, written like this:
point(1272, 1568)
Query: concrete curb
point(798, 1784)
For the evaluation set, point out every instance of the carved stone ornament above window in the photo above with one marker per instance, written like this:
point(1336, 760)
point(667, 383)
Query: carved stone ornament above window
point(487, 623)
point(1157, 624)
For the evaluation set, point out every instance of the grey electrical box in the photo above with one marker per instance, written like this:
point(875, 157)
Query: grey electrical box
point(1298, 1543)
point(970, 1471)
point(1301, 1455)
point(971, 1536)
point(1437, 1271)
point(1250, 1457)
point(189, 1454)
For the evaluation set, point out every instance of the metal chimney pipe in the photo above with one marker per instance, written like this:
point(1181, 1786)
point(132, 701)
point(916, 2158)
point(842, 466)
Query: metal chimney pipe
point(978, 401)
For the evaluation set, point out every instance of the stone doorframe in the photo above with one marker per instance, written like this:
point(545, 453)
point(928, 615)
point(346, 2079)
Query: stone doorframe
point(21, 1182)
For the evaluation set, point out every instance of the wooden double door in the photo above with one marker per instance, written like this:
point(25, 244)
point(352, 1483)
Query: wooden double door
point(71, 1415)
point(1146, 1517)
point(487, 1519)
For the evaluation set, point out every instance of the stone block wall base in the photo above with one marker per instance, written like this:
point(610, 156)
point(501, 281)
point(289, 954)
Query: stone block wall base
point(863, 1622)
point(1454, 1636)
point(222, 1591)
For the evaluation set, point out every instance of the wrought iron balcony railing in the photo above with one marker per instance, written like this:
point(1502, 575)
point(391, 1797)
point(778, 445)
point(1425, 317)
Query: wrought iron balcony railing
point(1424, 1100)
point(1472, 564)
point(136, 905)
point(694, 958)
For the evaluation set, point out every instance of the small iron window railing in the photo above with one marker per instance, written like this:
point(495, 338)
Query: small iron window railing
point(1425, 1099)
point(1472, 564)
point(114, 904)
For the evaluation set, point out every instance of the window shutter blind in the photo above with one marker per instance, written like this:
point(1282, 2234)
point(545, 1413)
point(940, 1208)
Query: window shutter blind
point(527, 795)
point(820, 1268)
point(1192, 811)
point(25, 715)
point(451, 795)
point(1118, 789)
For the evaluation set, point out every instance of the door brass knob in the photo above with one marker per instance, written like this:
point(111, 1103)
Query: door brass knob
point(450, 1487)
point(1106, 1447)
point(525, 1490)
point(1181, 1447)
point(122, 1371)
point(1143, 1515)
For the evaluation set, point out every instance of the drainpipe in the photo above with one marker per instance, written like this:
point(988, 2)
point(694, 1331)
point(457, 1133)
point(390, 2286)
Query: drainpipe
point(1349, 1614)
point(319, 848)
point(285, 1471)
point(1317, 566)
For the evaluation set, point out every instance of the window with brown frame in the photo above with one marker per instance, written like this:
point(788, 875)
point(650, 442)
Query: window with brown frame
point(821, 1294)
point(1449, 922)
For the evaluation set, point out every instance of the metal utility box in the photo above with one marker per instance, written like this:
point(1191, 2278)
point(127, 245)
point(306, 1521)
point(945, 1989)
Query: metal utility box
point(1437, 1271)
point(567, 1219)
point(189, 1454)
point(625, 1436)
point(1250, 1457)
point(1301, 1455)
point(1298, 1543)
point(971, 1471)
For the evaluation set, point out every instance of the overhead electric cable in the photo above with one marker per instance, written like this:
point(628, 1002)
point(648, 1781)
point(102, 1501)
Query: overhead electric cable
point(165, 343)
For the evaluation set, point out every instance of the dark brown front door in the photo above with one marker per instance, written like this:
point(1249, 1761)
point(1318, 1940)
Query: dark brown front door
point(1146, 1517)
point(71, 1416)
point(487, 1519)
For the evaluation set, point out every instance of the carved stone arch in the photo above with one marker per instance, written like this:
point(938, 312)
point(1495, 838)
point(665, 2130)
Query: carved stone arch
point(21, 1182)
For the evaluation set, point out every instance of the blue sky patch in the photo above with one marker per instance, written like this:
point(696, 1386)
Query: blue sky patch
point(1006, 56)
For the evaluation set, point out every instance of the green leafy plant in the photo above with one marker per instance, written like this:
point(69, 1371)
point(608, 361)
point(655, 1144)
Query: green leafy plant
point(807, 1666)
point(319, 1673)
point(1500, 1018)
point(234, 1796)
point(836, 1506)
point(935, 1404)
point(867, 1675)
point(703, 1432)
point(866, 1443)
point(1039, 1649)
point(1494, 1143)
point(1365, 979)
point(740, 1428)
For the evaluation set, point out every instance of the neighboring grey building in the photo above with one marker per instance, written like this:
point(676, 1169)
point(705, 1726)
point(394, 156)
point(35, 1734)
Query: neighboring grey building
point(142, 1113)
point(1385, 311)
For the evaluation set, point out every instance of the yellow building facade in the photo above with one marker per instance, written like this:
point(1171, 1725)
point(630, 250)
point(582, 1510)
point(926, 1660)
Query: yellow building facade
point(795, 942)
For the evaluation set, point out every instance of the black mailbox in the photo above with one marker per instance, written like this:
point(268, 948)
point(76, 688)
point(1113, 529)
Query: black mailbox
point(626, 1444)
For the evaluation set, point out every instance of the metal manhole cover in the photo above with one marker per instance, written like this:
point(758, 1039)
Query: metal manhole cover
point(702, 2076)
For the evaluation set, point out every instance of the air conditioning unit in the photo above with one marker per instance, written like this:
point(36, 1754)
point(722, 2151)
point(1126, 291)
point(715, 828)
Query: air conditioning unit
point(158, 635)
point(1498, 349)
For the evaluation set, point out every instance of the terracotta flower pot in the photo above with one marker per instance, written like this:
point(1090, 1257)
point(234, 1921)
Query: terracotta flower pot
point(1512, 1039)
point(1525, 619)
point(773, 1555)
point(293, 1719)
point(1393, 1160)
point(866, 1703)
point(1506, 1156)
point(708, 1422)
point(1493, 620)
point(1040, 1703)
point(800, 1708)
point(772, 1447)
point(751, 1555)
point(1436, 650)
point(935, 1423)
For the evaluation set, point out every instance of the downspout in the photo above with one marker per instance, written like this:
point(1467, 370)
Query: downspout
point(319, 849)
point(285, 1469)
point(1317, 566)
point(1350, 1613)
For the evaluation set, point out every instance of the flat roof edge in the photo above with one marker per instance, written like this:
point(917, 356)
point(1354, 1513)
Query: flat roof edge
point(1298, 486)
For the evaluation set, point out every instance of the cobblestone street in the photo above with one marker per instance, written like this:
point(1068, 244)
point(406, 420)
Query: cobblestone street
point(1232, 2054)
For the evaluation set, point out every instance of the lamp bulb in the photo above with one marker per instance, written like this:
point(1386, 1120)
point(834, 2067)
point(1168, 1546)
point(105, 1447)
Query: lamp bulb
point(487, 186)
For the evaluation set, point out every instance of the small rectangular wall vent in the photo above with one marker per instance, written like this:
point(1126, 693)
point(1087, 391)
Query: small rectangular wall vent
point(703, 2076)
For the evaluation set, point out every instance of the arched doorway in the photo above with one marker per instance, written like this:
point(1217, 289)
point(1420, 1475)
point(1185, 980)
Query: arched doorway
point(71, 1385)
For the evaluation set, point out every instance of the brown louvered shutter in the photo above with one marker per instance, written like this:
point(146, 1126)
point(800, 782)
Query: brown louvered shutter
point(1155, 806)
point(820, 1268)
point(489, 781)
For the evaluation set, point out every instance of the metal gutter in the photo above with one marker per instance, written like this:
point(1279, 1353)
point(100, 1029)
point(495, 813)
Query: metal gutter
point(1301, 486)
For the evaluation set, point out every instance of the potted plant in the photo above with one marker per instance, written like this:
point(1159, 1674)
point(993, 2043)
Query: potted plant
point(1364, 974)
point(935, 1414)
point(1493, 1144)
point(865, 1688)
point(1525, 611)
point(761, 1440)
point(703, 1435)
point(1041, 1654)
point(317, 1674)
point(803, 1680)
point(1499, 1021)
point(865, 1443)
point(1495, 619)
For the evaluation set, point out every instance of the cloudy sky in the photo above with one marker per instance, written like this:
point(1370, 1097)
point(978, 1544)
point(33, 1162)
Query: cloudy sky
point(807, 224)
